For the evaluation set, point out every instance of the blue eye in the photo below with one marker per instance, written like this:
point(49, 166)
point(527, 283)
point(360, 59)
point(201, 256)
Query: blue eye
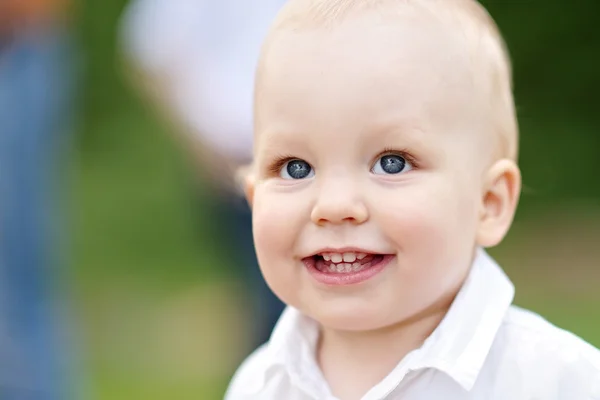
point(391, 164)
point(296, 169)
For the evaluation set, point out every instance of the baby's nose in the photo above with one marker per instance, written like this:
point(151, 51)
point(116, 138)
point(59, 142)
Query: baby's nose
point(336, 205)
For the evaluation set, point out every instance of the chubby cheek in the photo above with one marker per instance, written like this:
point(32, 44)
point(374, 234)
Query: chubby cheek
point(277, 222)
point(433, 228)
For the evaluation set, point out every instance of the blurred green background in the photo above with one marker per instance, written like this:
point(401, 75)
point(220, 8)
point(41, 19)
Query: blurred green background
point(160, 316)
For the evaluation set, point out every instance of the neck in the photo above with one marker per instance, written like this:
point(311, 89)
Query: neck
point(364, 358)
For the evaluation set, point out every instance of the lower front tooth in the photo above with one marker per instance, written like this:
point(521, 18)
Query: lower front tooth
point(356, 266)
point(347, 267)
point(340, 268)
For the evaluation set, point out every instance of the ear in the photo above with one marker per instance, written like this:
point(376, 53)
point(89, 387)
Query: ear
point(499, 202)
point(246, 179)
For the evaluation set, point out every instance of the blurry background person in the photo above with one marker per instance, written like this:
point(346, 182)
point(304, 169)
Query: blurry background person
point(197, 60)
point(35, 101)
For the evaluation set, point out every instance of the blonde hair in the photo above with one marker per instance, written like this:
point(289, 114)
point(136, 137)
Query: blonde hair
point(489, 58)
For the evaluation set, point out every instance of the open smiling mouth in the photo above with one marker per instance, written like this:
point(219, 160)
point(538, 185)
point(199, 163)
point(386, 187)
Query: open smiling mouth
point(345, 268)
point(346, 262)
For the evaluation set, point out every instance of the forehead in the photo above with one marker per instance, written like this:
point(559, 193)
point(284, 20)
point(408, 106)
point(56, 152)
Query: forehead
point(364, 71)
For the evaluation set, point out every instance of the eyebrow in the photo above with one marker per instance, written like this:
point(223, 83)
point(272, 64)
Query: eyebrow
point(277, 141)
point(404, 128)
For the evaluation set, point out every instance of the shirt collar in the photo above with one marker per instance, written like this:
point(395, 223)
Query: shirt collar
point(457, 347)
point(462, 341)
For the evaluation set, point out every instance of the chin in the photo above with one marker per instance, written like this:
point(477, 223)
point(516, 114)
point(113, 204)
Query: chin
point(350, 319)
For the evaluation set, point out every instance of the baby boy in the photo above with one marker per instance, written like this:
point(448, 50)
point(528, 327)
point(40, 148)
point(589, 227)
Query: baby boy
point(385, 162)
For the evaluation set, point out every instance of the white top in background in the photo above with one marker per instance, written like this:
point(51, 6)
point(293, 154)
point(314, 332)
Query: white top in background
point(208, 51)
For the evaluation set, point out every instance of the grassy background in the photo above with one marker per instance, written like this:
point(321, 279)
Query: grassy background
point(160, 317)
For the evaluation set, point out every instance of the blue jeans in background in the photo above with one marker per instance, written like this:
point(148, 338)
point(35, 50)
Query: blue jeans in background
point(35, 101)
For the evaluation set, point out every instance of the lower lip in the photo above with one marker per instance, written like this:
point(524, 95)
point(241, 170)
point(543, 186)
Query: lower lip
point(346, 278)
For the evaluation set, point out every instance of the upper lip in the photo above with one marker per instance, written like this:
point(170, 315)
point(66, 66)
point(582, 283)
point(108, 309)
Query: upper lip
point(342, 250)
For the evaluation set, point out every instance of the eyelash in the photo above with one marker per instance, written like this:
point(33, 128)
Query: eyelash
point(275, 167)
point(402, 153)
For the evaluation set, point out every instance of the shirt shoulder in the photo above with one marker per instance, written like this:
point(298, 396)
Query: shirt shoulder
point(530, 328)
point(250, 375)
point(546, 358)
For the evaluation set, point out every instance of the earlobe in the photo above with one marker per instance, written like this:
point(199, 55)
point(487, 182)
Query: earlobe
point(499, 202)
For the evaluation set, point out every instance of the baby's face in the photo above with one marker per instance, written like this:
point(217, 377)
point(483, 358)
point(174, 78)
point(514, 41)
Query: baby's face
point(369, 168)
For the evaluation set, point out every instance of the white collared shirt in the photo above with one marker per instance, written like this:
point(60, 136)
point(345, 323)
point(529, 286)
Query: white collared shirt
point(484, 348)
